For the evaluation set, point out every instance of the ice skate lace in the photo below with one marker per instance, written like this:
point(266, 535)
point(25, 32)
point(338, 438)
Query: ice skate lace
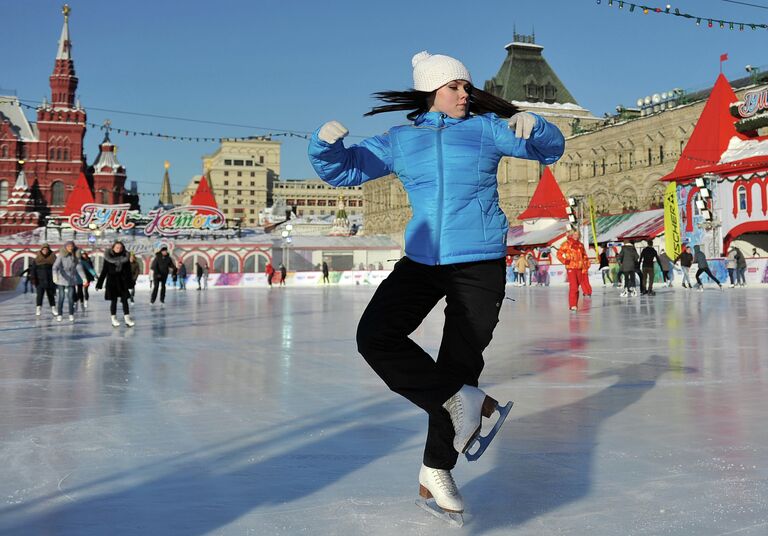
point(456, 410)
point(445, 481)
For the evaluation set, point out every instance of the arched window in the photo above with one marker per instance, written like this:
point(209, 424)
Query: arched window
point(191, 260)
point(66, 154)
point(742, 198)
point(2, 268)
point(3, 192)
point(661, 154)
point(4, 151)
point(104, 196)
point(58, 154)
point(57, 193)
point(52, 154)
point(226, 263)
point(21, 264)
point(255, 263)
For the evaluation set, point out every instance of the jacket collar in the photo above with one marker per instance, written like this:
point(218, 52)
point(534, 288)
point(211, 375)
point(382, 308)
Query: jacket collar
point(436, 119)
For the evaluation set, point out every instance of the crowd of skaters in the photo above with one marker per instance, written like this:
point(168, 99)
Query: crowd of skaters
point(65, 278)
point(634, 271)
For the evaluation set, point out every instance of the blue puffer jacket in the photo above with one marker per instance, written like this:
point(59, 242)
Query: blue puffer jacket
point(448, 167)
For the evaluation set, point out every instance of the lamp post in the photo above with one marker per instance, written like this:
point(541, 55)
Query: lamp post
point(286, 234)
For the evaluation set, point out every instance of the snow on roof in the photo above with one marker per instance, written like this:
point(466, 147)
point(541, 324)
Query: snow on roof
point(540, 237)
point(10, 109)
point(552, 106)
point(739, 149)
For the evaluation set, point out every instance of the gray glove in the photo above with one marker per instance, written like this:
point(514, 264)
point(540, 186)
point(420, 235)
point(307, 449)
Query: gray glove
point(523, 124)
point(332, 131)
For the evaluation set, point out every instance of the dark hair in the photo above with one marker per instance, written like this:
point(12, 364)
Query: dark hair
point(480, 102)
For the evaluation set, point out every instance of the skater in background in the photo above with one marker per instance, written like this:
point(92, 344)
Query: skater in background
point(27, 276)
point(182, 275)
point(628, 260)
point(647, 258)
point(638, 271)
point(741, 268)
point(730, 265)
point(532, 267)
point(42, 277)
point(605, 267)
point(162, 266)
point(455, 246)
point(686, 261)
point(574, 257)
point(700, 259)
point(67, 274)
point(666, 267)
point(283, 274)
point(325, 273)
point(521, 265)
point(119, 282)
point(135, 273)
point(199, 274)
point(270, 271)
point(81, 295)
point(205, 276)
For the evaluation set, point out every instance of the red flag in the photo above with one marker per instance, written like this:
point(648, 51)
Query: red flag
point(724, 57)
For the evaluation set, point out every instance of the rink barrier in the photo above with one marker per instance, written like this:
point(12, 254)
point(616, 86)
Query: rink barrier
point(555, 275)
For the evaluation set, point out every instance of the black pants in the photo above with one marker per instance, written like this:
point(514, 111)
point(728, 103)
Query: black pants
point(474, 293)
point(113, 305)
point(629, 279)
point(48, 292)
point(159, 284)
point(640, 277)
point(649, 276)
point(706, 271)
point(81, 294)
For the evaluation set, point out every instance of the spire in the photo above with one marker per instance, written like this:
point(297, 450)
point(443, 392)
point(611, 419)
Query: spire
point(20, 196)
point(21, 182)
point(65, 46)
point(63, 80)
point(547, 201)
point(166, 197)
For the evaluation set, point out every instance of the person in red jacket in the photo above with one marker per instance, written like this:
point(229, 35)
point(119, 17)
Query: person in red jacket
point(270, 270)
point(574, 257)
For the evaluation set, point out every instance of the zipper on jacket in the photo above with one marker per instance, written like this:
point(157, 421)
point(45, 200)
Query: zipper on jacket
point(440, 184)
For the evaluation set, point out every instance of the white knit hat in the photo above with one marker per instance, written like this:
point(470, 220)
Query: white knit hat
point(432, 72)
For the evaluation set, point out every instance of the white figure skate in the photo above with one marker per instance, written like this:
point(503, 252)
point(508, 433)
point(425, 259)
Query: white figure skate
point(467, 408)
point(439, 495)
point(115, 322)
point(129, 322)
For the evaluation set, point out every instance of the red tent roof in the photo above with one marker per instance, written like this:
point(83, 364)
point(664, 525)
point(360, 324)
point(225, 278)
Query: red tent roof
point(204, 196)
point(79, 196)
point(711, 135)
point(548, 200)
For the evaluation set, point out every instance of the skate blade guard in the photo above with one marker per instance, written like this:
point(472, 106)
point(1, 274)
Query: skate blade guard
point(484, 440)
point(452, 518)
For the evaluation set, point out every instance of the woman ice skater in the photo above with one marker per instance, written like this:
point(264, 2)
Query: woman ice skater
point(455, 245)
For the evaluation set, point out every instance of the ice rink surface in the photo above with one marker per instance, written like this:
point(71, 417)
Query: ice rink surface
point(249, 412)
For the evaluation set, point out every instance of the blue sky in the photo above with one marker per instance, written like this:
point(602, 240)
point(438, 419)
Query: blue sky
point(293, 65)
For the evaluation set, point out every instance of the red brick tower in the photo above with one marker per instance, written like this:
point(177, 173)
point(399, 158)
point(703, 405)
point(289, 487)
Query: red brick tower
point(56, 160)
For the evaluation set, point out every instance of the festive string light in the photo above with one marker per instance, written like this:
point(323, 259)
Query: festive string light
point(668, 10)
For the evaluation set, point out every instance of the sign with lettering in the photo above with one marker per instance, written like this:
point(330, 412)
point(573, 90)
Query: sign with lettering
point(192, 218)
point(751, 111)
point(165, 222)
point(97, 217)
